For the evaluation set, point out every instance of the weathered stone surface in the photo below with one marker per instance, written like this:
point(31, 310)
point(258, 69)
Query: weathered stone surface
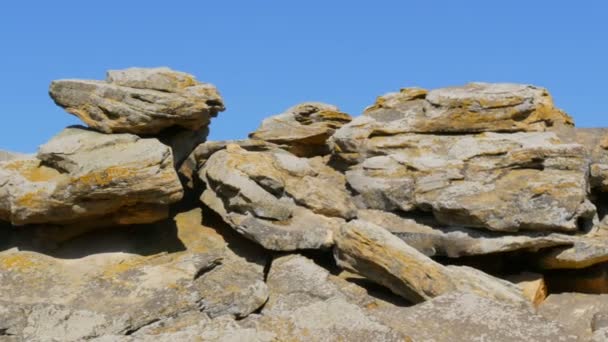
point(202, 152)
point(470, 317)
point(307, 303)
point(440, 240)
point(575, 311)
point(305, 128)
point(276, 199)
point(82, 175)
point(119, 281)
point(595, 141)
point(500, 182)
point(475, 107)
point(140, 101)
point(376, 254)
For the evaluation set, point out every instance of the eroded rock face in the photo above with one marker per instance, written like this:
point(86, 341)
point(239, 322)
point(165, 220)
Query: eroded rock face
point(434, 239)
point(495, 181)
point(139, 101)
point(376, 254)
point(275, 198)
point(471, 317)
point(119, 281)
point(305, 128)
point(475, 107)
point(81, 175)
point(576, 312)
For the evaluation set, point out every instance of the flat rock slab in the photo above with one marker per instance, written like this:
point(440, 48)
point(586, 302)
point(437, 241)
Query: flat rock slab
point(305, 128)
point(81, 175)
point(139, 101)
point(475, 107)
point(275, 198)
point(376, 254)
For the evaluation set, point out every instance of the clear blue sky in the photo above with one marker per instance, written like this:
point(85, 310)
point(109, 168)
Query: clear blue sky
point(265, 56)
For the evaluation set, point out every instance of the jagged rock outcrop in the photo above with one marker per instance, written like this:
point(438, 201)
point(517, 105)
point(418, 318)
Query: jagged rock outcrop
point(139, 101)
point(304, 128)
point(275, 198)
point(81, 175)
point(442, 215)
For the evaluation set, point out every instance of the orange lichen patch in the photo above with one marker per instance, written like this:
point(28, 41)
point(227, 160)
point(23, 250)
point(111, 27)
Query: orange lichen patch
point(105, 177)
point(18, 262)
point(32, 199)
point(31, 170)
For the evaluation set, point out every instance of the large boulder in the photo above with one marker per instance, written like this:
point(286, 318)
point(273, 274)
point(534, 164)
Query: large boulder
point(139, 101)
point(475, 107)
point(81, 176)
point(305, 128)
point(496, 181)
point(120, 281)
point(275, 198)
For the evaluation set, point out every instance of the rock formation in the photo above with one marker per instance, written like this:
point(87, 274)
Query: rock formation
point(454, 214)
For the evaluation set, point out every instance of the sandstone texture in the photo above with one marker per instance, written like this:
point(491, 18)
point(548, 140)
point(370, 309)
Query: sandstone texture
point(305, 128)
point(140, 101)
point(81, 175)
point(467, 213)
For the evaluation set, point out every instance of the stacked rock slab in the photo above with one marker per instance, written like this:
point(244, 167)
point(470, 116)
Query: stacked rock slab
point(382, 206)
point(304, 128)
point(107, 175)
point(275, 198)
point(139, 101)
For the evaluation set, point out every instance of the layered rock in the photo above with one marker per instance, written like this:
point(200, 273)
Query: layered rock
point(275, 198)
point(475, 107)
point(81, 175)
point(121, 281)
point(139, 101)
point(304, 128)
point(496, 181)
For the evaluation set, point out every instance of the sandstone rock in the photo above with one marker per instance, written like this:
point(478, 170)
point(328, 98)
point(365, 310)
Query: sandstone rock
point(575, 311)
point(495, 181)
point(475, 107)
point(305, 128)
point(587, 250)
point(441, 240)
point(140, 101)
point(81, 175)
point(306, 303)
point(276, 199)
point(470, 317)
point(119, 281)
point(533, 286)
point(378, 255)
point(202, 152)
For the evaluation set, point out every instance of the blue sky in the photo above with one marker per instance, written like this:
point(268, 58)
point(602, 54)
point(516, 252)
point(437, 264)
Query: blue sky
point(265, 56)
